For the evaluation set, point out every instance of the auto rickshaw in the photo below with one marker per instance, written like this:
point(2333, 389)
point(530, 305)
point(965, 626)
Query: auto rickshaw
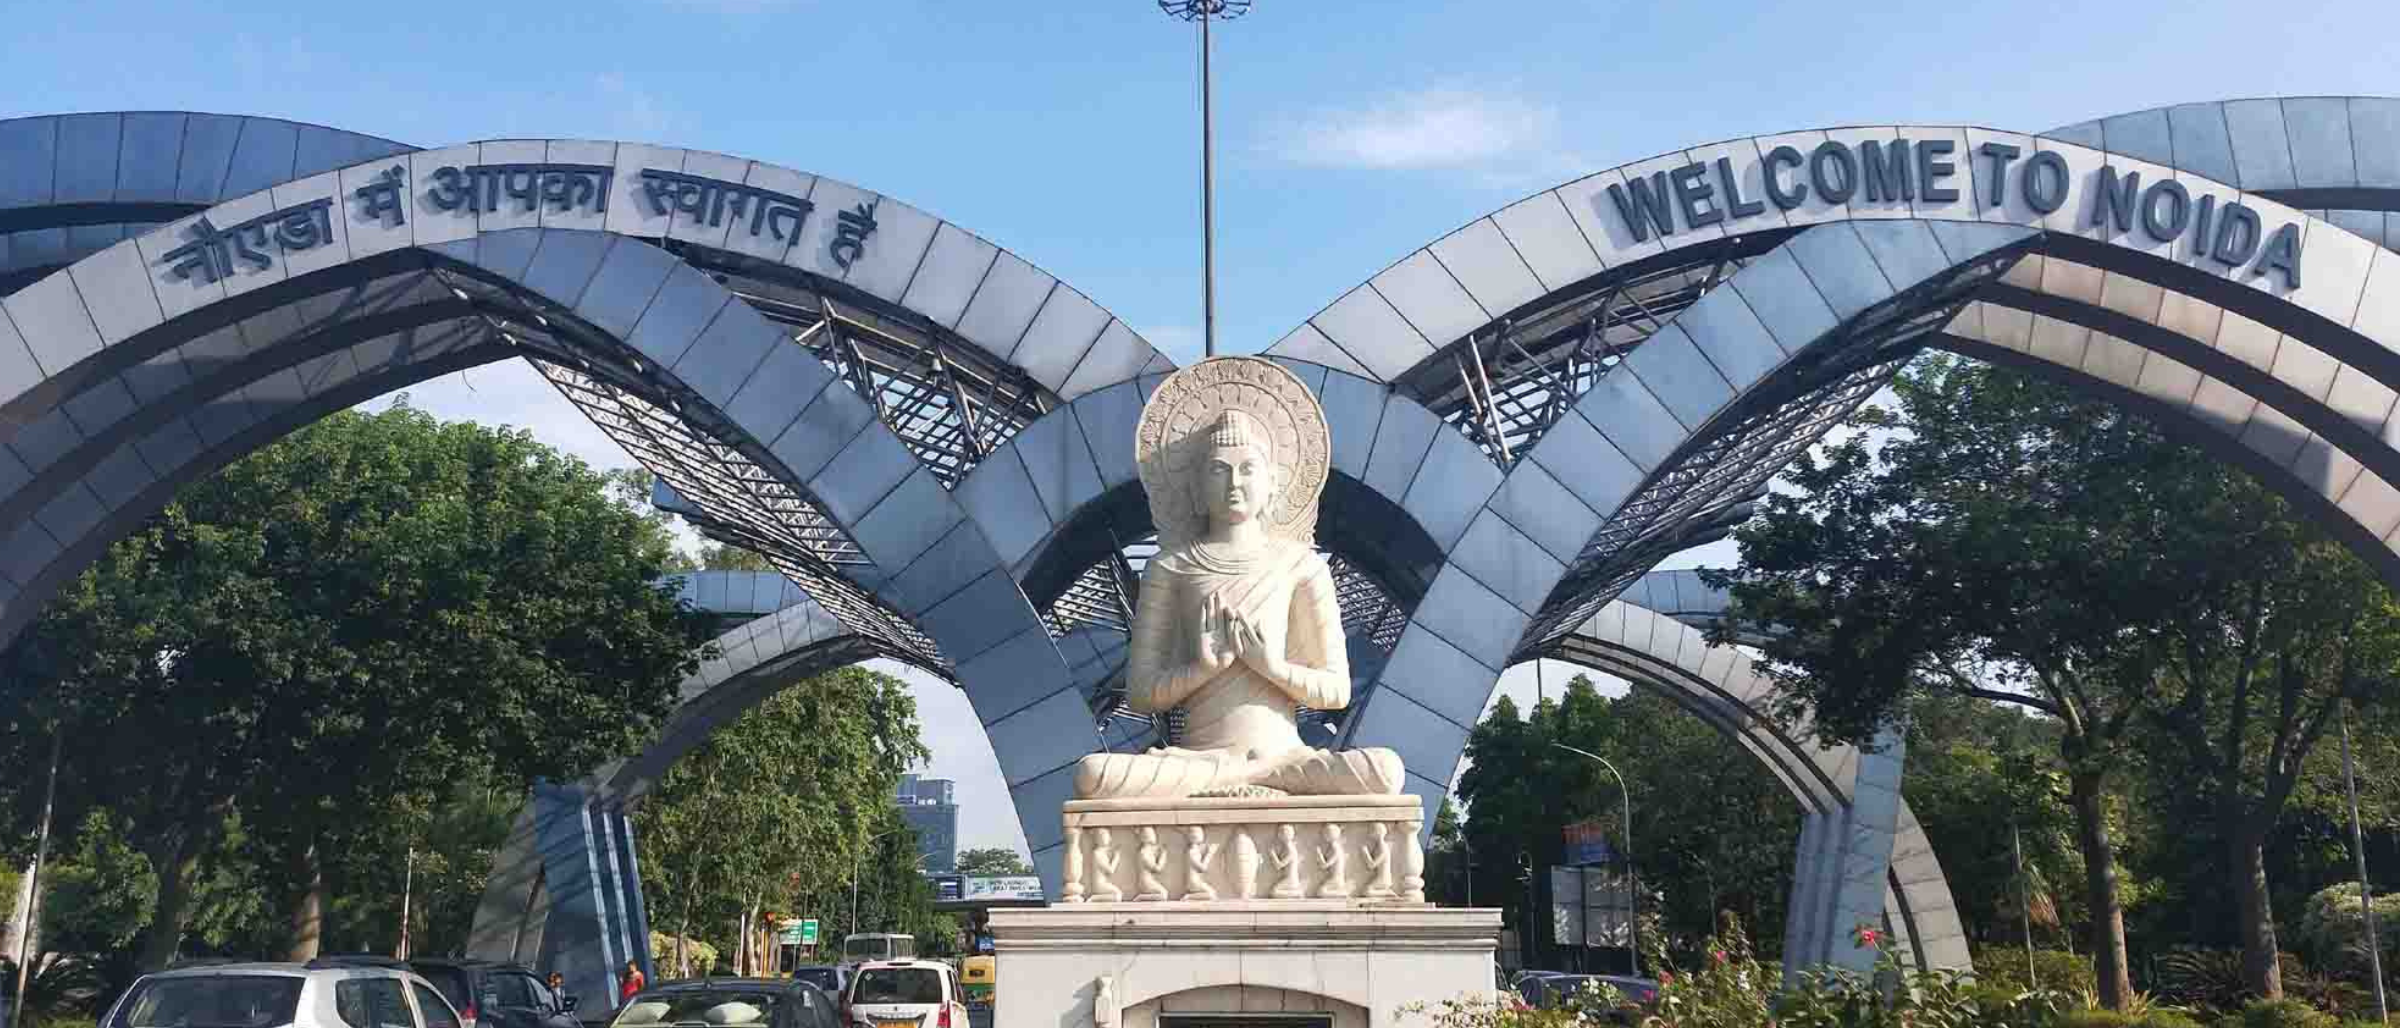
point(979, 976)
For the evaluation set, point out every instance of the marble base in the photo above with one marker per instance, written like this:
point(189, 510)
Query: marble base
point(1356, 966)
point(1352, 850)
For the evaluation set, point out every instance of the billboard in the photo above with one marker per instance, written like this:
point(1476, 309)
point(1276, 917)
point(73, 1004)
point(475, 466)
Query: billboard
point(1590, 906)
point(1003, 887)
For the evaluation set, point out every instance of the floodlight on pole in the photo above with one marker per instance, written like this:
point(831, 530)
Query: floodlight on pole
point(1205, 11)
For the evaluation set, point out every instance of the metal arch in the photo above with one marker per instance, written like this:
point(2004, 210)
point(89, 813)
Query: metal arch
point(952, 402)
point(640, 409)
point(1715, 476)
point(1915, 898)
point(1506, 383)
point(88, 180)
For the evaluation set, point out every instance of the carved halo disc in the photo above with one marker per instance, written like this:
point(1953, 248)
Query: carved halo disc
point(1173, 435)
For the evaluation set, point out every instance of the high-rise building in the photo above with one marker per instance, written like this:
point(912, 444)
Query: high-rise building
point(931, 809)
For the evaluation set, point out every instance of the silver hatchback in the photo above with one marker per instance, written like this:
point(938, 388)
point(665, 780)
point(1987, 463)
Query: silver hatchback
point(317, 995)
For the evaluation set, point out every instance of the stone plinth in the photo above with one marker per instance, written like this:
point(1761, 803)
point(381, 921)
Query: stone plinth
point(1121, 965)
point(1352, 851)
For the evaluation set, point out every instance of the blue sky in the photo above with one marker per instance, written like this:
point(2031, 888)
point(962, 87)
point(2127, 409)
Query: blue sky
point(1349, 132)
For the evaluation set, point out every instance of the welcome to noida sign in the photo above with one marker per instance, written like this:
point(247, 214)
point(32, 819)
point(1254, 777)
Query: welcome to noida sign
point(1699, 194)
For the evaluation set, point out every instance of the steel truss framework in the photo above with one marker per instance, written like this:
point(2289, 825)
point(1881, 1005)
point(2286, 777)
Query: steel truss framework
point(1506, 383)
point(1709, 486)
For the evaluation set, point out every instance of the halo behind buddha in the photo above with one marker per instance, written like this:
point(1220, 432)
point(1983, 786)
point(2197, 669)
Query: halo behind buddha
point(1179, 426)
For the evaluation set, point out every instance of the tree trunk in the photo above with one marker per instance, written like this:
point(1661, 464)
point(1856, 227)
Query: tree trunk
point(2262, 969)
point(308, 915)
point(2100, 884)
point(177, 856)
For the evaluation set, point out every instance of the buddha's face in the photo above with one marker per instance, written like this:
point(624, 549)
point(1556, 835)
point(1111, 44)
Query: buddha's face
point(1238, 483)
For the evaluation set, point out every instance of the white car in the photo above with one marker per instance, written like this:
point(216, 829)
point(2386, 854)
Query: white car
point(327, 994)
point(904, 994)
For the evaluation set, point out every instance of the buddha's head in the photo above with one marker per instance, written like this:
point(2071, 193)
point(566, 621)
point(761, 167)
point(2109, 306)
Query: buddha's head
point(1239, 478)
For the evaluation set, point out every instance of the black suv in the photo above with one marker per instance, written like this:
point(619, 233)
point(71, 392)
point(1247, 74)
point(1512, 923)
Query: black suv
point(491, 994)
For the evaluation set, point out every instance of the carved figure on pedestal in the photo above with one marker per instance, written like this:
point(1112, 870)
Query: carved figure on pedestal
point(1104, 863)
point(1198, 854)
point(1245, 865)
point(1379, 861)
point(1238, 621)
point(1073, 892)
point(1153, 862)
point(1330, 859)
point(1287, 860)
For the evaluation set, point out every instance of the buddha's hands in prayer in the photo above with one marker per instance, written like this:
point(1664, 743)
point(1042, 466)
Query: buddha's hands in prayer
point(1250, 647)
point(1216, 641)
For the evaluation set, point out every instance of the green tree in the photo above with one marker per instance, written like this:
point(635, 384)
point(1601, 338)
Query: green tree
point(728, 557)
point(992, 861)
point(1984, 782)
point(99, 893)
point(777, 806)
point(351, 619)
point(2015, 542)
point(1713, 832)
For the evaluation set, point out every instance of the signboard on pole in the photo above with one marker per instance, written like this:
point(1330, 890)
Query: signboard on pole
point(798, 933)
point(1587, 844)
point(1002, 887)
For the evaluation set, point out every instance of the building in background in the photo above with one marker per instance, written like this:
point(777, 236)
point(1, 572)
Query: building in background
point(931, 808)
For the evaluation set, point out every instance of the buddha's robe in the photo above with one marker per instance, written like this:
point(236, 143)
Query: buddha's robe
point(1239, 728)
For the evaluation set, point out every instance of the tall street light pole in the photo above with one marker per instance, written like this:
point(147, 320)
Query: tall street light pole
point(1205, 11)
point(1633, 898)
point(33, 904)
point(2358, 849)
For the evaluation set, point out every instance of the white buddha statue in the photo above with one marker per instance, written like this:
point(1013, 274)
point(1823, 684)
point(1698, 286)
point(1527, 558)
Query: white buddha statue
point(1238, 623)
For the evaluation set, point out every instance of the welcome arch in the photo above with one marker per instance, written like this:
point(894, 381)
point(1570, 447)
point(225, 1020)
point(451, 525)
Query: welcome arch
point(164, 355)
point(1520, 469)
point(1641, 349)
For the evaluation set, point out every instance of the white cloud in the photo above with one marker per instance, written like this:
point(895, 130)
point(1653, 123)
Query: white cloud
point(1432, 129)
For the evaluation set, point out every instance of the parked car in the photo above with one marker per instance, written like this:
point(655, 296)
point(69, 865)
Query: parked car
point(319, 994)
point(731, 1003)
point(905, 994)
point(1551, 989)
point(833, 978)
point(492, 994)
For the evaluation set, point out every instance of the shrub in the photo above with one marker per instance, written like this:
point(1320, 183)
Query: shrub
point(2165, 1018)
point(2101, 1018)
point(2285, 1013)
point(2332, 933)
point(702, 955)
point(2206, 978)
point(2057, 969)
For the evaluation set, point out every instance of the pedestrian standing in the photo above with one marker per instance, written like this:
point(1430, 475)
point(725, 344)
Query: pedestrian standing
point(633, 982)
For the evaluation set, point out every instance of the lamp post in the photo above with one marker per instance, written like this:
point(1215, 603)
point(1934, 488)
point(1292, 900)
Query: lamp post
point(1633, 898)
point(2358, 849)
point(1205, 11)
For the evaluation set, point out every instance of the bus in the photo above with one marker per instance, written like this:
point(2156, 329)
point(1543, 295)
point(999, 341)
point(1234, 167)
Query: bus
point(865, 946)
